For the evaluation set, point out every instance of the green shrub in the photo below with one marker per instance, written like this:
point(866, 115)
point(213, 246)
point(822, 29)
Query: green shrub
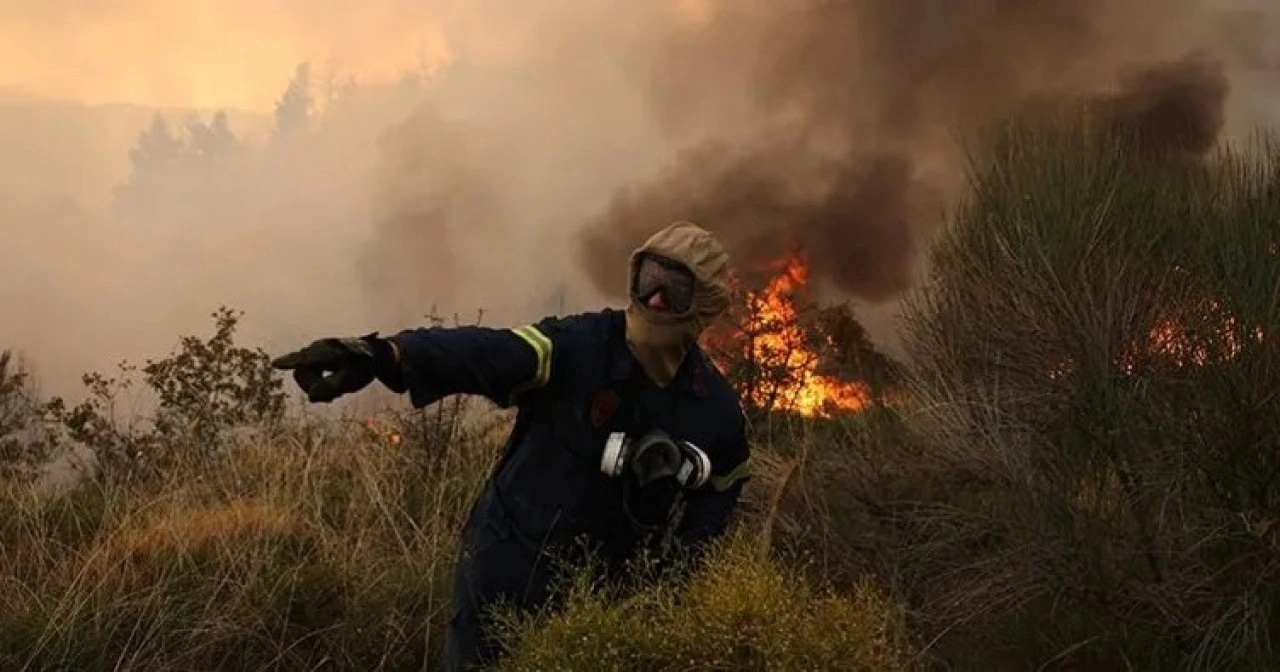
point(203, 391)
point(744, 610)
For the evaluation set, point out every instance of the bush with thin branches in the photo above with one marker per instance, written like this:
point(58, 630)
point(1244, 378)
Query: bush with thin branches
point(1095, 366)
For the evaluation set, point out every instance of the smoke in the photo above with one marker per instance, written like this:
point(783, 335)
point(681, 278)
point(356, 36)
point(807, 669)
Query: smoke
point(837, 126)
point(850, 216)
point(506, 157)
point(1170, 107)
point(400, 183)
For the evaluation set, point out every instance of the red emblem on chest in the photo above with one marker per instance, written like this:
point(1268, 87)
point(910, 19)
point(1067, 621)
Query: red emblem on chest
point(699, 382)
point(603, 406)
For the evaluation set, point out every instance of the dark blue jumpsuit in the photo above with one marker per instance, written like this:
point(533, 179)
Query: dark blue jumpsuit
point(573, 381)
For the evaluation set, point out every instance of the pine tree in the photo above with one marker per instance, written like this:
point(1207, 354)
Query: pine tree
point(293, 110)
point(158, 148)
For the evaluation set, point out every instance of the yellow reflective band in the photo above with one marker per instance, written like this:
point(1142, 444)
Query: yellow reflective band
point(740, 472)
point(542, 347)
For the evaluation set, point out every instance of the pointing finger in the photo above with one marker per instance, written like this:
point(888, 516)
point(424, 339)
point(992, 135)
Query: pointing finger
point(316, 354)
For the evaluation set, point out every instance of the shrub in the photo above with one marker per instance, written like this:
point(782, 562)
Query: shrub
point(743, 610)
point(1094, 364)
point(203, 391)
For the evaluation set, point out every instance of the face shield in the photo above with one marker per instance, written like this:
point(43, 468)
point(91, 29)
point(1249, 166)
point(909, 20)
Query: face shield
point(663, 285)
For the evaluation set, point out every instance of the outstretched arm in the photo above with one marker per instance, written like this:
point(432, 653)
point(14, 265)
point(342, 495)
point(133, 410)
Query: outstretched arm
point(499, 364)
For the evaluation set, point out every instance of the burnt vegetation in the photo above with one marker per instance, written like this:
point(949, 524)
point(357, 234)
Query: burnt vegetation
point(1074, 467)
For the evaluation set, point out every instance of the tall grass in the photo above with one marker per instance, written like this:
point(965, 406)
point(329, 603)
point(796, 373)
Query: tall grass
point(328, 549)
point(333, 548)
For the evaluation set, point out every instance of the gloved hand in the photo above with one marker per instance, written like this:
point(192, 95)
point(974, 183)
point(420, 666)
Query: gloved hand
point(352, 363)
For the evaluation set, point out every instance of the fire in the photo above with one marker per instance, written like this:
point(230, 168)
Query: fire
point(1170, 342)
point(388, 434)
point(775, 343)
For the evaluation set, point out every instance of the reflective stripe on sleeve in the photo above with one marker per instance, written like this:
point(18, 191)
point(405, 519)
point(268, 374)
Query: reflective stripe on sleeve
point(739, 473)
point(542, 347)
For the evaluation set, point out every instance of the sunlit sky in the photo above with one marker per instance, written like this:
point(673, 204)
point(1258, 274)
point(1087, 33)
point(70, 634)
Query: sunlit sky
point(224, 53)
point(239, 53)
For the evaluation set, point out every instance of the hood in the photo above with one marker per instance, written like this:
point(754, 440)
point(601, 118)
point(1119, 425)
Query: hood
point(702, 253)
point(661, 340)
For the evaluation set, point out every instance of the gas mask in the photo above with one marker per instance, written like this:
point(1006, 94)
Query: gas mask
point(655, 470)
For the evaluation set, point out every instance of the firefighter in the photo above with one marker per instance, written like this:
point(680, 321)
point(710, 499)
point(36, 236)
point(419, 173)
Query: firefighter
point(625, 433)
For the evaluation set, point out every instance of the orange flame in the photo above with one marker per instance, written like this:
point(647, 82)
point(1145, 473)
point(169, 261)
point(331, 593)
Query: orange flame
point(388, 434)
point(1170, 342)
point(776, 342)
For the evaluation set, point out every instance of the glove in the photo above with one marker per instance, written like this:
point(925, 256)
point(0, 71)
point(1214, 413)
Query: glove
point(352, 363)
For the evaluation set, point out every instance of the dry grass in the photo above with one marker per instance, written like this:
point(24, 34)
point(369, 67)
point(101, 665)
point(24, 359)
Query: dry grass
point(335, 551)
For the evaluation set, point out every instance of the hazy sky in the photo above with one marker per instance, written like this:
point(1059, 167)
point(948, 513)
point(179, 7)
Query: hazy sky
point(231, 53)
point(204, 53)
point(290, 243)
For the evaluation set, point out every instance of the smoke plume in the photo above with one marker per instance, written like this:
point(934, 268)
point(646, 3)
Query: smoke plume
point(836, 126)
point(1170, 107)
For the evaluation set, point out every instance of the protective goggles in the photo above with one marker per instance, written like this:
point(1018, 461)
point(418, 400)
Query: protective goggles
point(674, 280)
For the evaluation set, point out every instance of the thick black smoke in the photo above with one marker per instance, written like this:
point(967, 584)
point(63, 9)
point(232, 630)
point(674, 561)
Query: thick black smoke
point(839, 119)
point(1174, 107)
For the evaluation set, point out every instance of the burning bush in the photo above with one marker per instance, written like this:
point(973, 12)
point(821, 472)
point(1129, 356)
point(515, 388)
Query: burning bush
point(1094, 370)
point(785, 354)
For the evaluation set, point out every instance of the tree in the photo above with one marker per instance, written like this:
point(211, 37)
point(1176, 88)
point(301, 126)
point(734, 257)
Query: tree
point(213, 140)
point(293, 110)
point(172, 169)
point(158, 148)
point(207, 390)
